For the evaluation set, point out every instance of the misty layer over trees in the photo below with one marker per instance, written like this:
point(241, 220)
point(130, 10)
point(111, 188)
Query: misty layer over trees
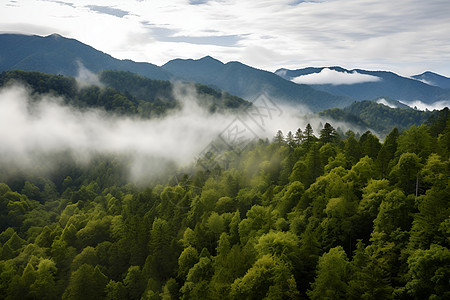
point(53, 118)
point(306, 215)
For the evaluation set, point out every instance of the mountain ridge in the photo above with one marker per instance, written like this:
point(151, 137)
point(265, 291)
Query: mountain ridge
point(389, 85)
point(56, 54)
point(247, 82)
point(433, 79)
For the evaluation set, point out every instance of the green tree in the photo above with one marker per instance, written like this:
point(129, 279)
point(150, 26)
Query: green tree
point(405, 173)
point(361, 173)
point(268, 278)
point(352, 149)
point(328, 134)
point(313, 165)
point(290, 140)
point(162, 257)
point(428, 225)
point(332, 276)
point(216, 224)
point(298, 137)
point(87, 282)
point(279, 138)
point(197, 280)
point(188, 258)
point(387, 152)
point(115, 290)
point(308, 136)
point(416, 140)
point(44, 285)
point(134, 282)
point(428, 273)
point(370, 145)
point(393, 213)
point(368, 279)
point(289, 197)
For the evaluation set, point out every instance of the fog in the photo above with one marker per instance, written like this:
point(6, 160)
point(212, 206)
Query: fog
point(34, 130)
point(417, 104)
point(329, 76)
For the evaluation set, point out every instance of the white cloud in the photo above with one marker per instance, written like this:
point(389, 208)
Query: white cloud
point(86, 77)
point(386, 103)
point(36, 130)
point(417, 104)
point(46, 126)
point(328, 76)
point(424, 81)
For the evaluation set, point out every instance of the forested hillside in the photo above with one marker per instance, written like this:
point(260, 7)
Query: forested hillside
point(121, 92)
point(307, 215)
point(379, 117)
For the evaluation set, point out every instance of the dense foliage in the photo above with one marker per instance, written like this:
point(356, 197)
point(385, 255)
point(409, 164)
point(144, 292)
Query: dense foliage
point(317, 216)
point(378, 117)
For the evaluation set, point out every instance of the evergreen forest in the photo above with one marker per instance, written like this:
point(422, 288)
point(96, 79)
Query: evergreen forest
point(306, 215)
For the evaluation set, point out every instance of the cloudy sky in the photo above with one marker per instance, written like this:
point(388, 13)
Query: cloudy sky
point(404, 36)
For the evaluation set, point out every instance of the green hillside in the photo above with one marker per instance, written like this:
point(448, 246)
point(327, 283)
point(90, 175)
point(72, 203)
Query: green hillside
point(144, 97)
point(378, 117)
point(309, 215)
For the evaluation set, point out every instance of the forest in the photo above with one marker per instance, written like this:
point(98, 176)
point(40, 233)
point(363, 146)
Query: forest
point(306, 215)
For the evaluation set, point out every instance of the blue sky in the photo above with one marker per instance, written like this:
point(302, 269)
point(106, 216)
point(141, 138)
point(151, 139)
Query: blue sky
point(404, 36)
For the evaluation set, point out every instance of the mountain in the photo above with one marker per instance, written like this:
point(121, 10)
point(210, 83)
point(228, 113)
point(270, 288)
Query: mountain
point(149, 90)
point(373, 84)
point(434, 79)
point(55, 54)
point(247, 82)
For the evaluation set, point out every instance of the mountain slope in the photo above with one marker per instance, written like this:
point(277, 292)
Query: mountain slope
point(378, 117)
point(434, 79)
point(55, 54)
point(389, 85)
point(150, 90)
point(121, 92)
point(247, 82)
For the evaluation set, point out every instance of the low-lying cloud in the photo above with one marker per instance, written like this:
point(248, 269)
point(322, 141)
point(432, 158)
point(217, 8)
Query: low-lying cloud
point(328, 76)
point(36, 132)
point(386, 103)
point(85, 77)
point(417, 104)
point(34, 128)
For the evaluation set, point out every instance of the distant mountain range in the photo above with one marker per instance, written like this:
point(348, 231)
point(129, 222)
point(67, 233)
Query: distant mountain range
point(373, 84)
point(247, 82)
point(55, 54)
